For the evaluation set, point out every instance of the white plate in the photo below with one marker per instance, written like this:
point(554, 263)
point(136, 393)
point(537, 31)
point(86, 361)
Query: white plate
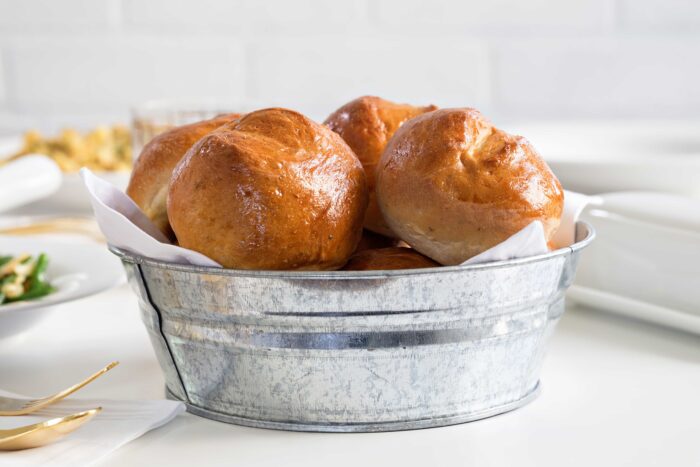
point(71, 197)
point(9, 145)
point(636, 309)
point(76, 269)
point(605, 156)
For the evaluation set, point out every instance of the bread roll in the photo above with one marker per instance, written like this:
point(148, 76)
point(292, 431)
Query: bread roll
point(367, 124)
point(148, 186)
point(372, 241)
point(452, 185)
point(388, 258)
point(273, 190)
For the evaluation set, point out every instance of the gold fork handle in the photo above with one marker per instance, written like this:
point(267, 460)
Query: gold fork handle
point(43, 402)
point(67, 392)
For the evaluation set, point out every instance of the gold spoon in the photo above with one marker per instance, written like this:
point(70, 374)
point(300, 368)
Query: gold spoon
point(10, 406)
point(40, 434)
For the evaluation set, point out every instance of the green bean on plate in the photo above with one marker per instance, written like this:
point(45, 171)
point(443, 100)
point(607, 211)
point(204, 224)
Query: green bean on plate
point(22, 277)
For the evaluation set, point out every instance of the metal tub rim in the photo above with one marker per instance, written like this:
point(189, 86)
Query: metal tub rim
point(583, 229)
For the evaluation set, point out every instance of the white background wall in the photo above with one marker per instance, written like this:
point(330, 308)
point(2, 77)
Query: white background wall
point(83, 61)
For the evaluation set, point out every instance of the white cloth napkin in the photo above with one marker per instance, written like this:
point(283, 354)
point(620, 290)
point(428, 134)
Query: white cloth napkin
point(531, 241)
point(127, 227)
point(119, 422)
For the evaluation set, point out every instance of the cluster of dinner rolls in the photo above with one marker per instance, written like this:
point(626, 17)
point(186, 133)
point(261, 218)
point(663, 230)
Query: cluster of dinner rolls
point(379, 186)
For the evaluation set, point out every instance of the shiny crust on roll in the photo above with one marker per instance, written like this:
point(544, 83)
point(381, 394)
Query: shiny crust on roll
point(452, 185)
point(148, 186)
point(273, 190)
point(388, 258)
point(367, 124)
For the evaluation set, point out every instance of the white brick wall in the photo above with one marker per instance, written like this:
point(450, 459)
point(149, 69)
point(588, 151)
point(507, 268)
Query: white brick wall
point(110, 73)
point(496, 16)
point(3, 92)
point(671, 16)
point(24, 16)
point(245, 17)
point(317, 75)
point(66, 61)
point(597, 78)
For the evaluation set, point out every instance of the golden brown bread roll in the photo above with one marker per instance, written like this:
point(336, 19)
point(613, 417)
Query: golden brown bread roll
point(148, 186)
point(452, 185)
point(388, 258)
point(367, 124)
point(273, 190)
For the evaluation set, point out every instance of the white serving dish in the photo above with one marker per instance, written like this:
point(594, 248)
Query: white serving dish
point(646, 260)
point(635, 309)
point(77, 269)
point(606, 156)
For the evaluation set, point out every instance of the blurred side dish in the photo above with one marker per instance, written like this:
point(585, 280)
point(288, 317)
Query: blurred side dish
point(106, 148)
point(22, 278)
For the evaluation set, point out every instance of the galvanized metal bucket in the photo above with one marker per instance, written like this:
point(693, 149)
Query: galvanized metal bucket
point(353, 351)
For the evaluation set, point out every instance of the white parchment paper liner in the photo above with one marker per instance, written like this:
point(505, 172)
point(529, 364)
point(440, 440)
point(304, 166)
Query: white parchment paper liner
point(125, 226)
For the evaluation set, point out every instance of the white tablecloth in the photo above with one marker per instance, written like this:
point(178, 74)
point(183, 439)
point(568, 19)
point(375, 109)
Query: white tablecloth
point(615, 392)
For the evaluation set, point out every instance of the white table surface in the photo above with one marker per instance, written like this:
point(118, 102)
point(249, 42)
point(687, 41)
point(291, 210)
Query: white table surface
point(615, 392)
